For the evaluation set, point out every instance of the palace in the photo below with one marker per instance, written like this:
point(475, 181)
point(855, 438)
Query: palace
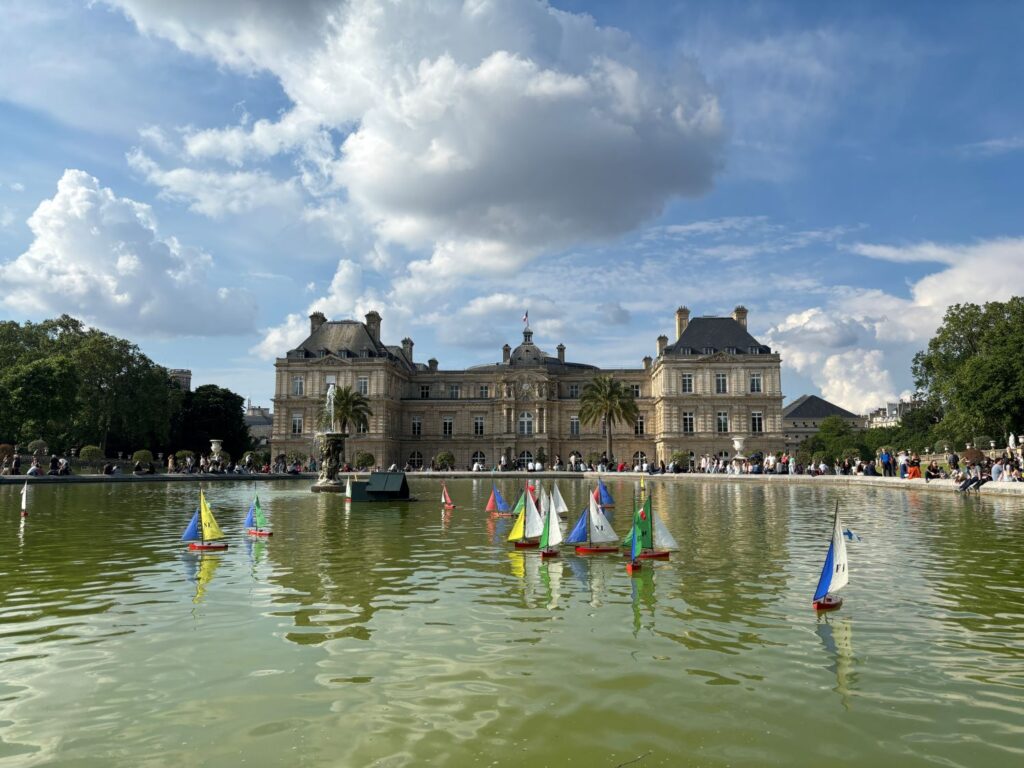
point(713, 383)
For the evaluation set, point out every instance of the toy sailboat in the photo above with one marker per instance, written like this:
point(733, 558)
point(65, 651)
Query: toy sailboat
point(602, 495)
point(528, 526)
point(593, 533)
point(446, 500)
point(496, 503)
point(835, 572)
point(551, 536)
point(202, 532)
point(256, 522)
point(640, 534)
point(348, 489)
point(655, 541)
point(24, 499)
point(561, 508)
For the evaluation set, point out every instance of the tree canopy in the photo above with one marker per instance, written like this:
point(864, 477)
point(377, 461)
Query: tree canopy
point(606, 399)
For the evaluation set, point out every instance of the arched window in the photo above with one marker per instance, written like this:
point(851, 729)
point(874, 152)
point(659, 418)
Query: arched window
point(416, 460)
point(478, 456)
point(723, 454)
point(639, 458)
point(525, 423)
point(525, 458)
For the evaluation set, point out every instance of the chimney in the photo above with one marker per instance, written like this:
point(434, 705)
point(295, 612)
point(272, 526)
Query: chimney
point(561, 353)
point(432, 364)
point(740, 315)
point(662, 343)
point(682, 320)
point(315, 321)
point(407, 347)
point(373, 325)
point(647, 362)
point(506, 353)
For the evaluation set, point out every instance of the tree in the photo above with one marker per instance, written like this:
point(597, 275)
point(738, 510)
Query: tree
point(349, 406)
point(364, 460)
point(605, 399)
point(835, 440)
point(445, 460)
point(211, 412)
point(972, 374)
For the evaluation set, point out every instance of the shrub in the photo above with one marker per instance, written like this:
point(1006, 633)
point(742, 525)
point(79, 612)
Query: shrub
point(6, 451)
point(91, 453)
point(295, 456)
point(542, 456)
point(364, 460)
point(593, 458)
point(183, 456)
point(225, 457)
point(445, 460)
point(37, 446)
point(146, 457)
point(681, 459)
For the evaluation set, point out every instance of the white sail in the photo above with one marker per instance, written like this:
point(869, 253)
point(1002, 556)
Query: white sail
point(533, 525)
point(556, 499)
point(348, 487)
point(554, 529)
point(600, 529)
point(24, 497)
point(840, 565)
point(662, 538)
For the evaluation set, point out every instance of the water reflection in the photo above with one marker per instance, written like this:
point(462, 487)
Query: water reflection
point(641, 585)
point(199, 570)
point(837, 636)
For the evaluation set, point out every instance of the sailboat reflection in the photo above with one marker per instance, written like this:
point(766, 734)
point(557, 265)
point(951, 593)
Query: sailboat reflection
point(551, 575)
point(642, 596)
point(836, 636)
point(526, 566)
point(255, 549)
point(200, 570)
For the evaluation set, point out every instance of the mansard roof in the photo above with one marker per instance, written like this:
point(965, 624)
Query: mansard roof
point(347, 339)
point(814, 407)
point(529, 354)
point(717, 334)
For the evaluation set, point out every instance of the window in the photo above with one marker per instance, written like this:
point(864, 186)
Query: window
point(416, 460)
point(480, 458)
point(755, 383)
point(686, 384)
point(723, 421)
point(485, 391)
point(417, 426)
point(296, 422)
point(688, 422)
point(721, 383)
point(638, 427)
point(329, 379)
point(447, 426)
point(524, 458)
point(574, 390)
point(574, 426)
point(453, 391)
point(755, 350)
point(424, 391)
point(298, 385)
point(604, 428)
point(708, 350)
point(363, 385)
point(478, 425)
point(639, 458)
point(756, 422)
point(525, 423)
point(635, 389)
point(363, 428)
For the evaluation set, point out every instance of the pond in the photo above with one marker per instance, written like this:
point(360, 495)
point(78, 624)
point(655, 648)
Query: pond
point(403, 635)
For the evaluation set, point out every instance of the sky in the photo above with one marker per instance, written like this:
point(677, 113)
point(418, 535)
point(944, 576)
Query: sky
point(199, 177)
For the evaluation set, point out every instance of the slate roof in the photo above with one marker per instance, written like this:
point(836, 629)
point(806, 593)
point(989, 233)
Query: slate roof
point(529, 354)
point(345, 339)
point(814, 407)
point(718, 334)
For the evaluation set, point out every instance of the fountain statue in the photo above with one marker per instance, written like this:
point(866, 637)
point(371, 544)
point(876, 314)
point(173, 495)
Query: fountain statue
point(332, 450)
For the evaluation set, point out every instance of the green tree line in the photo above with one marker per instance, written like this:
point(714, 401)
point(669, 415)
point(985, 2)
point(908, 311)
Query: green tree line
point(71, 386)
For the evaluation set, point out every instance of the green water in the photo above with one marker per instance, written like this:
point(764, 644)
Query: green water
point(403, 636)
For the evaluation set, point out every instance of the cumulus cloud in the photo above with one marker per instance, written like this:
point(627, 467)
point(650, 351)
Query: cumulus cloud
point(100, 257)
point(858, 381)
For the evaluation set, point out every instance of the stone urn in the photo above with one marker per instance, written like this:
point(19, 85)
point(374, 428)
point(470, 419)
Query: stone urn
point(215, 447)
point(738, 456)
point(332, 456)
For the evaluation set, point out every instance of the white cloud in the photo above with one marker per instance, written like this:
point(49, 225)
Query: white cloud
point(6, 217)
point(16, 186)
point(994, 147)
point(857, 381)
point(100, 257)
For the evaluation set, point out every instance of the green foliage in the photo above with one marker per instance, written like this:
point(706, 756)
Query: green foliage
point(681, 458)
point(182, 456)
point(972, 373)
point(296, 456)
point(836, 440)
point(211, 412)
point(608, 400)
point(542, 456)
point(364, 460)
point(445, 460)
point(144, 456)
point(91, 453)
point(37, 446)
point(350, 407)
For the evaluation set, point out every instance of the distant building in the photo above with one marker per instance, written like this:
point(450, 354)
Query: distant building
point(891, 414)
point(260, 421)
point(182, 377)
point(716, 381)
point(803, 417)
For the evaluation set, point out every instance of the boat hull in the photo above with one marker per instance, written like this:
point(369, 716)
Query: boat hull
point(502, 514)
point(527, 544)
point(549, 552)
point(449, 507)
point(633, 565)
point(596, 550)
point(196, 546)
point(258, 532)
point(651, 554)
point(828, 603)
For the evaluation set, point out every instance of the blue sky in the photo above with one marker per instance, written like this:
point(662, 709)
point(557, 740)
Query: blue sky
point(198, 177)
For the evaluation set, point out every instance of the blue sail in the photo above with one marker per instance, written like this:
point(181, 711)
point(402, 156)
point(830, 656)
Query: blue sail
point(250, 519)
point(499, 500)
point(826, 573)
point(634, 544)
point(606, 498)
point(192, 531)
point(579, 533)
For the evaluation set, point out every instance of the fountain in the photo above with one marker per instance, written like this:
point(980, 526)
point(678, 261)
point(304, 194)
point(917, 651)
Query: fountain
point(332, 450)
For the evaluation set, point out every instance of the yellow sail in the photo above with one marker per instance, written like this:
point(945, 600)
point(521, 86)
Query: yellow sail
point(519, 527)
point(208, 523)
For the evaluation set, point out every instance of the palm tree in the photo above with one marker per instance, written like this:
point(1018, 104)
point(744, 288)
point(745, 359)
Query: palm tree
point(349, 406)
point(608, 400)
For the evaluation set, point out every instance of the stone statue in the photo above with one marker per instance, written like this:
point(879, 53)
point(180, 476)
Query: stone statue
point(329, 407)
point(1012, 442)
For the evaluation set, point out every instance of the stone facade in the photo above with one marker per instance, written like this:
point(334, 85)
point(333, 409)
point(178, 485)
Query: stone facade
point(714, 382)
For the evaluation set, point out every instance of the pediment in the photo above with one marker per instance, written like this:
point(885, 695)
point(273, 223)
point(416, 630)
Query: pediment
point(720, 357)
